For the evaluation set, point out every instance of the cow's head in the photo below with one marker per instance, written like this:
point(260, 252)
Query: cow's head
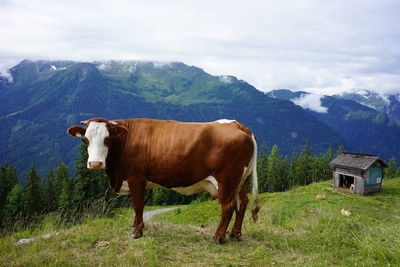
point(97, 136)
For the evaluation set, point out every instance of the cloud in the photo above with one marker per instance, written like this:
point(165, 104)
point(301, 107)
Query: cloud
point(5, 65)
point(311, 102)
point(7, 75)
point(226, 79)
point(325, 47)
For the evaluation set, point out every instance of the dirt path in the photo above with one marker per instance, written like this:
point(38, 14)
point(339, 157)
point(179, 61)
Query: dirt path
point(147, 215)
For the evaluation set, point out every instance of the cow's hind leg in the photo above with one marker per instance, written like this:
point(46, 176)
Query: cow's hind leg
point(226, 215)
point(236, 232)
point(137, 192)
point(226, 198)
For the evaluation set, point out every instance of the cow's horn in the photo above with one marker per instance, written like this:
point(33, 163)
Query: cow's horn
point(113, 122)
point(84, 122)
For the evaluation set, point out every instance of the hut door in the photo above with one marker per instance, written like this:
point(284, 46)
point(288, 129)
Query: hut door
point(348, 181)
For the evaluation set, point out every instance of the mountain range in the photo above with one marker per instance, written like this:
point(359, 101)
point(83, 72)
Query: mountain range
point(43, 98)
point(369, 123)
point(386, 103)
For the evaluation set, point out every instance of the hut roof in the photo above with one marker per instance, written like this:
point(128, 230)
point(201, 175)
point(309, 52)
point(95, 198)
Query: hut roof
point(356, 161)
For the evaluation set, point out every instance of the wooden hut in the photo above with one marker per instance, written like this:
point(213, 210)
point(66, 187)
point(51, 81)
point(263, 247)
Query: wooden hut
point(360, 173)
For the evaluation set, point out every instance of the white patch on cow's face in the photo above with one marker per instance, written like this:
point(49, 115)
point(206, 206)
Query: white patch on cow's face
point(96, 133)
point(225, 121)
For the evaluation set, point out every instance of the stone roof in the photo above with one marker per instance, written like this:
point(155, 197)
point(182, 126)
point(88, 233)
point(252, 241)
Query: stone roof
point(356, 161)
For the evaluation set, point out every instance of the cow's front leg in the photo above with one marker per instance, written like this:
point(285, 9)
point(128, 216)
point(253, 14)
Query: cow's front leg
point(137, 190)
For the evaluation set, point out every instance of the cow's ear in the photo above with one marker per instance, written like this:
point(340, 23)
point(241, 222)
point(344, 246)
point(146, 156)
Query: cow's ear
point(76, 131)
point(119, 131)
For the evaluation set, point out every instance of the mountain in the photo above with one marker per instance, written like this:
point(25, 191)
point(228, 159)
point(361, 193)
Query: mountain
point(386, 103)
point(363, 127)
point(46, 97)
point(285, 94)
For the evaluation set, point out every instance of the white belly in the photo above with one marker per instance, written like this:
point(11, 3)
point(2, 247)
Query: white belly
point(209, 184)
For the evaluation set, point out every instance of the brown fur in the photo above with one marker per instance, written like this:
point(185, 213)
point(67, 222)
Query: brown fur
point(178, 154)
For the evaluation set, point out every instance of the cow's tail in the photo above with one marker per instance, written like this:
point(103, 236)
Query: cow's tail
point(255, 206)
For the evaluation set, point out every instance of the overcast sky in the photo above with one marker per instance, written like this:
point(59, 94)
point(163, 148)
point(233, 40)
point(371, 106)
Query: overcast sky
point(319, 46)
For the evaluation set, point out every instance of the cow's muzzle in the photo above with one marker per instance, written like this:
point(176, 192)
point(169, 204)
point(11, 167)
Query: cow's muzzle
point(96, 165)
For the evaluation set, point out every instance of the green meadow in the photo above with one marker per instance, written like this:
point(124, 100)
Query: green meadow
point(294, 228)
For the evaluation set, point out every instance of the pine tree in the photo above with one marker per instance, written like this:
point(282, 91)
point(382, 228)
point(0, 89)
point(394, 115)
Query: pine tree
point(14, 205)
point(274, 170)
point(391, 170)
point(66, 197)
point(340, 150)
point(329, 155)
point(306, 162)
point(262, 169)
point(295, 171)
point(61, 176)
point(32, 201)
point(48, 190)
point(285, 173)
point(326, 167)
point(8, 179)
point(159, 196)
point(317, 169)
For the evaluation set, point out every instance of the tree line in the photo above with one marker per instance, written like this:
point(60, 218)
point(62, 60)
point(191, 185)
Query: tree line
point(279, 173)
point(68, 195)
point(72, 197)
point(87, 194)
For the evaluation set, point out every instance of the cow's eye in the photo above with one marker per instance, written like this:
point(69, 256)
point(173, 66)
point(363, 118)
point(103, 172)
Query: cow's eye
point(107, 141)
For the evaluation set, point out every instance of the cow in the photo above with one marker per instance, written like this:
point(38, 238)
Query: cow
point(138, 154)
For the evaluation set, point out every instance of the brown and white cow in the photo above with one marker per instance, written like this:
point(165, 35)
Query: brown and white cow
point(138, 154)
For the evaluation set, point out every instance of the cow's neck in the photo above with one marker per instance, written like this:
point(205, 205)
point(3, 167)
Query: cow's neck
point(112, 160)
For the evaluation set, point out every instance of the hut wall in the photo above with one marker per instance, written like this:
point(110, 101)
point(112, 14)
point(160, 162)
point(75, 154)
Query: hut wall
point(371, 188)
point(359, 186)
point(374, 175)
point(336, 179)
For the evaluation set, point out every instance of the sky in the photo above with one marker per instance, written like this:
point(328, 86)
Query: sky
point(325, 47)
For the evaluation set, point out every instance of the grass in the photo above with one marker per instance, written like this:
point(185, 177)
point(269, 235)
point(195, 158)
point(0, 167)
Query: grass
point(293, 229)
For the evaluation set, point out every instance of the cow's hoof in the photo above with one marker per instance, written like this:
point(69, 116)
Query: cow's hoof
point(219, 240)
point(136, 236)
point(236, 236)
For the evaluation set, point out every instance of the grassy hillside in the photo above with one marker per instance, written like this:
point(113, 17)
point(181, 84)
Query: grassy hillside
point(294, 228)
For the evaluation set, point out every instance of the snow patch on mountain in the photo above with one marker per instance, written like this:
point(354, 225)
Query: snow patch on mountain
point(161, 65)
point(53, 67)
point(129, 66)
